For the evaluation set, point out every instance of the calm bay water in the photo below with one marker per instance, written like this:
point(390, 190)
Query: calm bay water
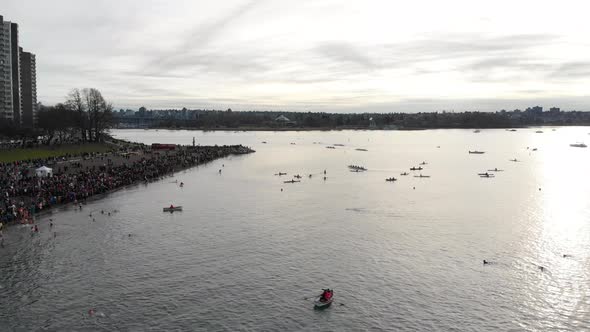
point(244, 255)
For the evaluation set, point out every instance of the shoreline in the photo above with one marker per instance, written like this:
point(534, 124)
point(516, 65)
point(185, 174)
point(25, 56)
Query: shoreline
point(131, 165)
point(281, 129)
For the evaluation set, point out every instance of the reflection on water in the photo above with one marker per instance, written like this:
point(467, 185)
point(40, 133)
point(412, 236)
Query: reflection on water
point(244, 255)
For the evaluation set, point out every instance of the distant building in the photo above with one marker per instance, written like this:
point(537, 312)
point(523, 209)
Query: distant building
point(282, 118)
point(18, 86)
point(554, 110)
point(9, 72)
point(28, 72)
point(537, 110)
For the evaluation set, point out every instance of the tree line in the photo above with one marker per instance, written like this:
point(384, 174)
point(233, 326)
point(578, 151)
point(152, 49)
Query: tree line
point(84, 116)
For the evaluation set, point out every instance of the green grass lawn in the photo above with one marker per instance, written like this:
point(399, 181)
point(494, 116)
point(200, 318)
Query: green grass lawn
point(50, 151)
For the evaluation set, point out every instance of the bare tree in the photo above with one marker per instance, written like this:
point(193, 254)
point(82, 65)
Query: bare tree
point(75, 102)
point(99, 113)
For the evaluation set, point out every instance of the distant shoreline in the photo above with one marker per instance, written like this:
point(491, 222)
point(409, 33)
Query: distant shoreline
point(247, 129)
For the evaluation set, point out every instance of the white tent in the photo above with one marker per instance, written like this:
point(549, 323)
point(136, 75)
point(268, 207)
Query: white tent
point(44, 171)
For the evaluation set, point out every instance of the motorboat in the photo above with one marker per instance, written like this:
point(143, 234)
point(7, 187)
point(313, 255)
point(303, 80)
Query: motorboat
point(476, 152)
point(578, 145)
point(291, 181)
point(477, 131)
point(361, 149)
point(416, 169)
point(281, 174)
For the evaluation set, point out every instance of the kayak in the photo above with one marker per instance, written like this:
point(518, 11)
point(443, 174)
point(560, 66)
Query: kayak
point(318, 304)
point(176, 208)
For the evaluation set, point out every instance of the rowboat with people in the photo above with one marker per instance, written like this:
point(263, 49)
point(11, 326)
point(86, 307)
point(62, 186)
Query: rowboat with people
point(416, 169)
point(173, 208)
point(324, 300)
point(486, 175)
point(391, 179)
point(356, 168)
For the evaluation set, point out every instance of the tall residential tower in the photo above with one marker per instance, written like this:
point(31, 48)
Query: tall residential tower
point(18, 88)
point(28, 79)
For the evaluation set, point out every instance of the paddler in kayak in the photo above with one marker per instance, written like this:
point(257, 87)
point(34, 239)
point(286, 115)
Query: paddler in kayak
point(171, 206)
point(326, 295)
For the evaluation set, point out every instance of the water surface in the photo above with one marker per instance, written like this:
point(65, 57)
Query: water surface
point(244, 255)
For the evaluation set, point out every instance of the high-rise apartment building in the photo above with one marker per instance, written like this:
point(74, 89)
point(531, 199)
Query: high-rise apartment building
point(6, 100)
point(28, 78)
point(18, 88)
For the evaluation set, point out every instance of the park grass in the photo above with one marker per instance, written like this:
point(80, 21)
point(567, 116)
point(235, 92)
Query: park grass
point(50, 151)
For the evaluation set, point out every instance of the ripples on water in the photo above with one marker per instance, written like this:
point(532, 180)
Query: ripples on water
point(245, 256)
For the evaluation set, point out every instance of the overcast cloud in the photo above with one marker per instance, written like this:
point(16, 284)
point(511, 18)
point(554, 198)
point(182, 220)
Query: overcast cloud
point(316, 55)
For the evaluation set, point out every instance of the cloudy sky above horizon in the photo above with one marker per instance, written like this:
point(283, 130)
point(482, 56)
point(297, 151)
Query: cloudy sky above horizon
point(311, 55)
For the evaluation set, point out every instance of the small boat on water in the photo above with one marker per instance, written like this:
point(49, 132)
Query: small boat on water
point(338, 144)
point(297, 176)
point(404, 173)
point(355, 168)
point(486, 175)
point(173, 208)
point(476, 152)
point(330, 147)
point(263, 142)
point(281, 174)
point(324, 300)
point(391, 179)
point(423, 163)
point(539, 131)
point(416, 169)
point(512, 130)
point(361, 149)
point(535, 149)
point(477, 131)
point(421, 176)
point(293, 144)
point(579, 145)
point(514, 160)
point(291, 181)
point(495, 170)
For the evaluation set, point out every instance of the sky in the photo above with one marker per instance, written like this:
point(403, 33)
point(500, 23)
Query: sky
point(311, 55)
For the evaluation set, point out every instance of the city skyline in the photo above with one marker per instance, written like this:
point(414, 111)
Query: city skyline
point(311, 55)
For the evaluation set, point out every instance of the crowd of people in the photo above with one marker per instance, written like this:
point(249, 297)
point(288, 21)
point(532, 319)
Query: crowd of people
point(74, 180)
